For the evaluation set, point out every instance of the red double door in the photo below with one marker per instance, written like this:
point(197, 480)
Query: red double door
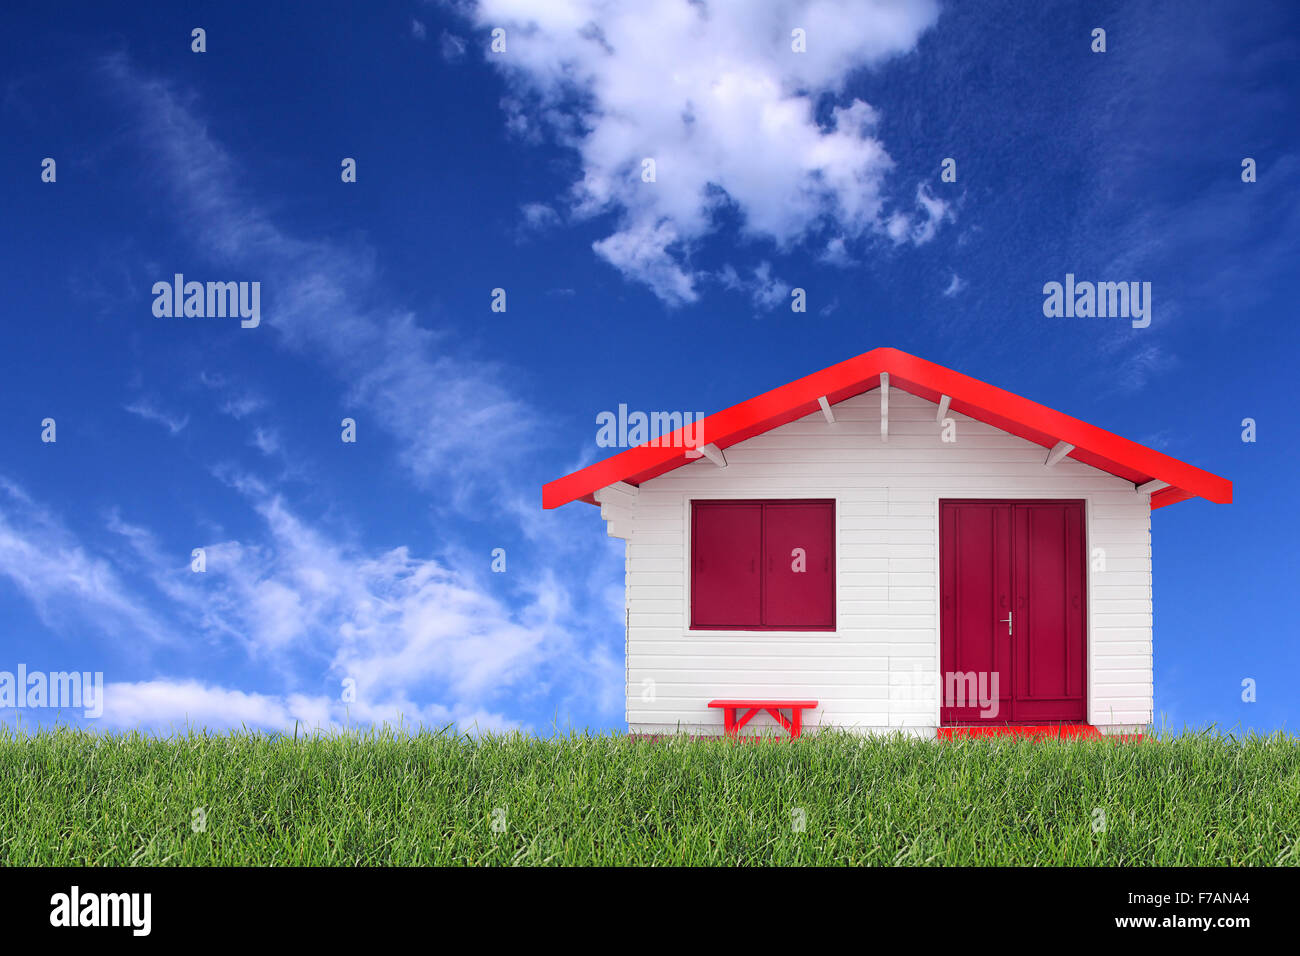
point(1013, 633)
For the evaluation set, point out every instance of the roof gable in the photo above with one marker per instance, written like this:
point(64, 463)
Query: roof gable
point(978, 400)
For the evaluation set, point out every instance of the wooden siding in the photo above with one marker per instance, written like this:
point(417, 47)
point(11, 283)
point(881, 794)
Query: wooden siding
point(879, 670)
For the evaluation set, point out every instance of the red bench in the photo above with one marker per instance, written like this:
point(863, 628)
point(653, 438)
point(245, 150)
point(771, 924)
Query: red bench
point(793, 726)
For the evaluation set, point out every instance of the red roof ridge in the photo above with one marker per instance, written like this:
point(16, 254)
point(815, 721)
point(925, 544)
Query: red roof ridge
point(969, 396)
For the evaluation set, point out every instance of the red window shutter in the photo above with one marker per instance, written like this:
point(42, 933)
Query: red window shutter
point(799, 570)
point(726, 550)
point(763, 565)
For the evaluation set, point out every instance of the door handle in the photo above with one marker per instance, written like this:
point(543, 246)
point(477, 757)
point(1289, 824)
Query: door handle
point(1007, 622)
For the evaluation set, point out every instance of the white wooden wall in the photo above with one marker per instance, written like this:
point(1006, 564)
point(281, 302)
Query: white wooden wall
point(879, 671)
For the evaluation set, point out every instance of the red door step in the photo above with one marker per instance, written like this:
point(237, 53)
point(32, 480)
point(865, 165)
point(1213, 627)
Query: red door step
point(1032, 731)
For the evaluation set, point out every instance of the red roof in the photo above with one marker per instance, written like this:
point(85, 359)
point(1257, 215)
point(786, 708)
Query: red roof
point(969, 396)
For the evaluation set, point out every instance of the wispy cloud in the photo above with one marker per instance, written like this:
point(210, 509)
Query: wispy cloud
point(266, 440)
point(919, 230)
point(151, 413)
point(439, 404)
point(1139, 365)
point(428, 636)
point(64, 580)
point(765, 290)
point(538, 217)
point(451, 47)
point(236, 401)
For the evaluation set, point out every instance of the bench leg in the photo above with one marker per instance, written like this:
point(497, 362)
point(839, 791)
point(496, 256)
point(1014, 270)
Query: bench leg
point(780, 720)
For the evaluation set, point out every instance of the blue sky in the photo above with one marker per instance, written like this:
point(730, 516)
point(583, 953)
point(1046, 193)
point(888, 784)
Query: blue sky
point(371, 561)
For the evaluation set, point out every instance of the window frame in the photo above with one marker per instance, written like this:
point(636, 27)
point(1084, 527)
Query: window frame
point(831, 630)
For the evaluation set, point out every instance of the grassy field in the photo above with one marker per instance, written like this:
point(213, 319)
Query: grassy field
point(70, 797)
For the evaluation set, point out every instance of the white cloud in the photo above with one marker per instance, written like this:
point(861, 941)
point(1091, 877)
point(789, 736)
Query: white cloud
point(393, 622)
point(955, 285)
point(645, 251)
point(769, 291)
point(241, 406)
point(936, 211)
point(266, 440)
point(538, 216)
point(418, 29)
point(836, 253)
point(716, 96)
point(151, 413)
point(903, 228)
point(174, 704)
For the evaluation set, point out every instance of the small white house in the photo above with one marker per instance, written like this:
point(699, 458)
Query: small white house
point(888, 545)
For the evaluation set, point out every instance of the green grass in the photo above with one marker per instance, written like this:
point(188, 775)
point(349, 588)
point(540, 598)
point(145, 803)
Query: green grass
point(72, 797)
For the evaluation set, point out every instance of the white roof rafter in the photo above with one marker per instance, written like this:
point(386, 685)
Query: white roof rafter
point(826, 410)
point(884, 406)
point(714, 454)
point(1059, 451)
